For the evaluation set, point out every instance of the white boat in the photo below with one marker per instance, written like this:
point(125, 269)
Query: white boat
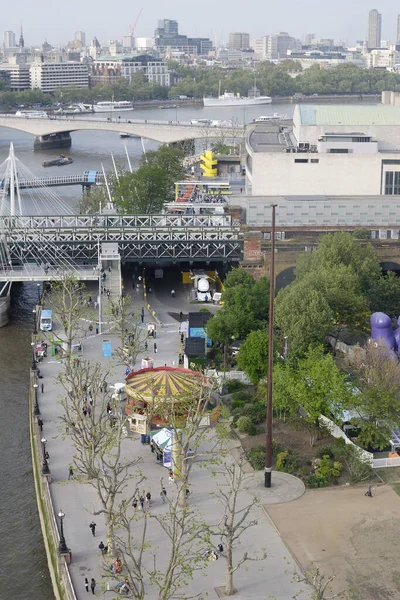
point(112, 106)
point(230, 99)
point(75, 109)
point(274, 117)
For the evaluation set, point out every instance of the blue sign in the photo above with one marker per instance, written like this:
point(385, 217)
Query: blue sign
point(197, 332)
point(92, 176)
point(107, 350)
point(167, 458)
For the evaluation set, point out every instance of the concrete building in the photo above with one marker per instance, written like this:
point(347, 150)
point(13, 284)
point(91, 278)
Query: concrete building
point(374, 29)
point(260, 47)
point(80, 37)
point(50, 76)
point(16, 72)
point(9, 40)
point(278, 45)
point(143, 45)
point(108, 69)
point(330, 150)
point(239, 41)
point(308, 38)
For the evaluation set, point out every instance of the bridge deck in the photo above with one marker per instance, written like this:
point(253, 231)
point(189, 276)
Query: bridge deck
point(33, 272)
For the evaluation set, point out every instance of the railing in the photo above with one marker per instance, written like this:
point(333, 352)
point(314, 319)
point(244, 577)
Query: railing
point(63, 180)
point(380, 463)
point(33, 272)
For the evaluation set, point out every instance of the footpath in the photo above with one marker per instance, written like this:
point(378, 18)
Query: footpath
point(273, 578)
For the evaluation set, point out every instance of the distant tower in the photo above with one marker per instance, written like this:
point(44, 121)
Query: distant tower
point(21, 42)
point(374, 29)
point(398, 30)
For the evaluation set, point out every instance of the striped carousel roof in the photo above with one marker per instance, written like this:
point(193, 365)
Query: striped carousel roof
point(161, 382)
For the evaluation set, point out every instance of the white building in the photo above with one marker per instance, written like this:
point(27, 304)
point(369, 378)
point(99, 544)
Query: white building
point(110, 68)
point(330, 150)
point(17, 71)
point(50, 76)
point(9, 39)
point(144, 44)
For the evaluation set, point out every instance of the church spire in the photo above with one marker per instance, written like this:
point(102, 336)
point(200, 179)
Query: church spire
point(21, 39)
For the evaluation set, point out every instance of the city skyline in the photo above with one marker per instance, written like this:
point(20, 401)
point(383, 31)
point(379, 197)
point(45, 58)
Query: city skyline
point(347, 21)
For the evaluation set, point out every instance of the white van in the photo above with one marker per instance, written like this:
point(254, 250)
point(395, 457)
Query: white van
point(119, 392)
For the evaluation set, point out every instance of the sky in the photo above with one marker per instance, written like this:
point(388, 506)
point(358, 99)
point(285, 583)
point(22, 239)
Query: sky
point(106, 19)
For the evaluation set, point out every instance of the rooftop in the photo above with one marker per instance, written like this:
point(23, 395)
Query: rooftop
point(348, 115)
point(269, 137)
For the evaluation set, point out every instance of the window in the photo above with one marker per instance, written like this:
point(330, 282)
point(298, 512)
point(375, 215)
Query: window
point(339, 151)
point(301, 160)
point(315, 160)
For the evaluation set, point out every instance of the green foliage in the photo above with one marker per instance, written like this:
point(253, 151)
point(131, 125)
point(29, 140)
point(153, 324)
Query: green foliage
point(325, 451)
point(358, 468)
point(288, 462)
point(362, 234)
point(243, 396)
point(151, 186)
point(384, 295)
point(253, 355)
point(245, 425)
point(328, 469)
point(256, 457)
point(313, 481)
point(256, 411)
point(234, 385)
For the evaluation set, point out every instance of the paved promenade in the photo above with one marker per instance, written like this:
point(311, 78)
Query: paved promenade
point(270, 579)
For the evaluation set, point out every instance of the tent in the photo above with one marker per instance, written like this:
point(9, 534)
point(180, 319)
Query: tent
point(162, 439)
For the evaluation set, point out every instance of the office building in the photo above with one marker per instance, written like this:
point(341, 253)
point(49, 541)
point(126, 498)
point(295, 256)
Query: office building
point(108, 69)
point(308, 38)
point(50, 76)
point(167, 36)
point(374, 29)
point(16, 73)
point(80, 37)
point(9, 40)
point(239, 41)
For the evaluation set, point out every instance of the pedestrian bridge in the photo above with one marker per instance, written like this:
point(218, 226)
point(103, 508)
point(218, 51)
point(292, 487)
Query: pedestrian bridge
point(160, 131)
point(34, 272)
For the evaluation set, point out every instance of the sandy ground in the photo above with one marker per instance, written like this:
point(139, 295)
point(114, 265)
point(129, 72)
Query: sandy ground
point(347, 534)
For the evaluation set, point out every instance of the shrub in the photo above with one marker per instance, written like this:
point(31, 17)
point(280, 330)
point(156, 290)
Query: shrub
point(276, 448)
point(257, 457)
point(328, 469)
point(237, 404)
point(255, 411)
point(204, 310)
point(244, 424)
point(288, 462)
point(359, 469)
point(313, 481)
point(234, 385)
point(242, 395)
point(325, 451)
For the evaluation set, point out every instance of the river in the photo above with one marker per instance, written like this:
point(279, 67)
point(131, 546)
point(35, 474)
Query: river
point(24, 574)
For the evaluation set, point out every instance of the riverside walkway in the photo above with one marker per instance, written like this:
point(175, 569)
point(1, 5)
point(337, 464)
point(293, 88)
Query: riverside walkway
point(272, 578)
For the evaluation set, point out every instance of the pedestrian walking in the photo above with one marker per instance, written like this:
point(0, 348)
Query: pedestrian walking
point(86, 579)
point(101, 547)
point(89, 410)
point(92, 585)
point(40, 424)
point(141, 502)
point(369, 491)
point(97, 329)
point(146, 346)
point(181, 316)
point(148, 499)
point(163, 494)
point(155, 347)
point(70, 472)
point(134, 503)
point(108, 294)
point(84, 410)
point(142, 317)
point(42, 387)
point(170, 477)
point(92, 526)
point(109, 269)
point(172, 293)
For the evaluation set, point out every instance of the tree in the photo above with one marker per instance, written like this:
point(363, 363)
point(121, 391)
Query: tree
point(148, 189)
point(384, 295)
point(220, 329)
point(321, 585)
point(131, 336)
point(235, 520)
point(93, 200)
point(377, 375)
point(253, 355)
point(304, 316)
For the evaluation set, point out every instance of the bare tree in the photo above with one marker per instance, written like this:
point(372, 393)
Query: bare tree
point(131, 336)
point(183, 531)
point(98, 428)
point(321, 585)
point(235, 520)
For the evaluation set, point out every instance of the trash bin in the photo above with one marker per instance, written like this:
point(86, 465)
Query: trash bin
point(143, 438)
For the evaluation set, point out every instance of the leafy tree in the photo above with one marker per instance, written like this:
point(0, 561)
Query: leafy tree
point(253, 355)
point(304, 317)
point(384, 295)
point(377, 375)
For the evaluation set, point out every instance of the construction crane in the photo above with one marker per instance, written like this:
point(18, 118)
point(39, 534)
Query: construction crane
point(132, 29)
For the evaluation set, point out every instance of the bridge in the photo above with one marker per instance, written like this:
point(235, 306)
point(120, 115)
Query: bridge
point(160, 131)
point(88, 178)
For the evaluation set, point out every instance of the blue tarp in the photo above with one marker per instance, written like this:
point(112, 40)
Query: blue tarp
point(107, 350)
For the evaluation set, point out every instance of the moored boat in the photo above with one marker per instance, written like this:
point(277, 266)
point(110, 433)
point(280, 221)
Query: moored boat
point(112, 106)
point(58, 162)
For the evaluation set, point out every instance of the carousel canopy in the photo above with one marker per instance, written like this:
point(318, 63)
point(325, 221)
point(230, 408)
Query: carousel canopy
point(162, 382)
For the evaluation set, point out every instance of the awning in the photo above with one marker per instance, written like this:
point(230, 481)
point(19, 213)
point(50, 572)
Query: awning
point(163, 438)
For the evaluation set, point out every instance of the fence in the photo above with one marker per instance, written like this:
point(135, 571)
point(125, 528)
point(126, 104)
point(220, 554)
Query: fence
point(380, 463)
point(339, 433)
point(222, 376)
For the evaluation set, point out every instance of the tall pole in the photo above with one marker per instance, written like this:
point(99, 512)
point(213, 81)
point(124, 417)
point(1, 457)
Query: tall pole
point(268, 450)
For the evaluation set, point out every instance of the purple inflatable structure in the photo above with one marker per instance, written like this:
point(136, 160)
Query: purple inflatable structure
point(381, 329)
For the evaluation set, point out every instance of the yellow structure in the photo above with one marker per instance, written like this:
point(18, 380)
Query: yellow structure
point(208, 164)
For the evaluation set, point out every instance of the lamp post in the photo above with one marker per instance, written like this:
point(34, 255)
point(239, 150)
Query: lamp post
point(34, 322)
point(45, 467)
point(38, 292)
point(33, 367)
point(268, 449)
point(62, 548)
point(36, 410)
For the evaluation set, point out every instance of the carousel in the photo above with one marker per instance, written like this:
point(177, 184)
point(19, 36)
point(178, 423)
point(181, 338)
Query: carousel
point(156, 393)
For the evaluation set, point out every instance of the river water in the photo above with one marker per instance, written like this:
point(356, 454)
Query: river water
point(23, 572)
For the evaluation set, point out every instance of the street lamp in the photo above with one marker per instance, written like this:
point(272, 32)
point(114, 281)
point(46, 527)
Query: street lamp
point(34, 322)
point(33, 367)
point(62, 548)
point(45, 467)
point(38, 292)
point(36, 410)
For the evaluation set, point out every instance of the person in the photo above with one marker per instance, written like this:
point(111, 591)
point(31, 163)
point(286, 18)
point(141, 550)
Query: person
point(90, 328)
point(142, 317)
point(369, 491)
point(155, 347)
point(109, 409)
point(220, 548)
point(146, 346)
point(172, 293)
point(84, 410)
point(149, 290)
point(40, 424)
point(163, 494)
point(181, 316)
point(70, 472)
point(148, 498)
point(101, 547)
point(92, 585)
point(170, 477)
point(42, 387)
point(134, 503)
point(86, 584)
point(109, 269)
point(97, 329)
point(141, 502)
point(92, 526)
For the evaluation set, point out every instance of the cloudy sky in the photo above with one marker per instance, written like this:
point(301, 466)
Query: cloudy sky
point(57, 21)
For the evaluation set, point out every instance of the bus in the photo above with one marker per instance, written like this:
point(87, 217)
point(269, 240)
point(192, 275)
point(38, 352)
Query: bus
point(46, 320)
